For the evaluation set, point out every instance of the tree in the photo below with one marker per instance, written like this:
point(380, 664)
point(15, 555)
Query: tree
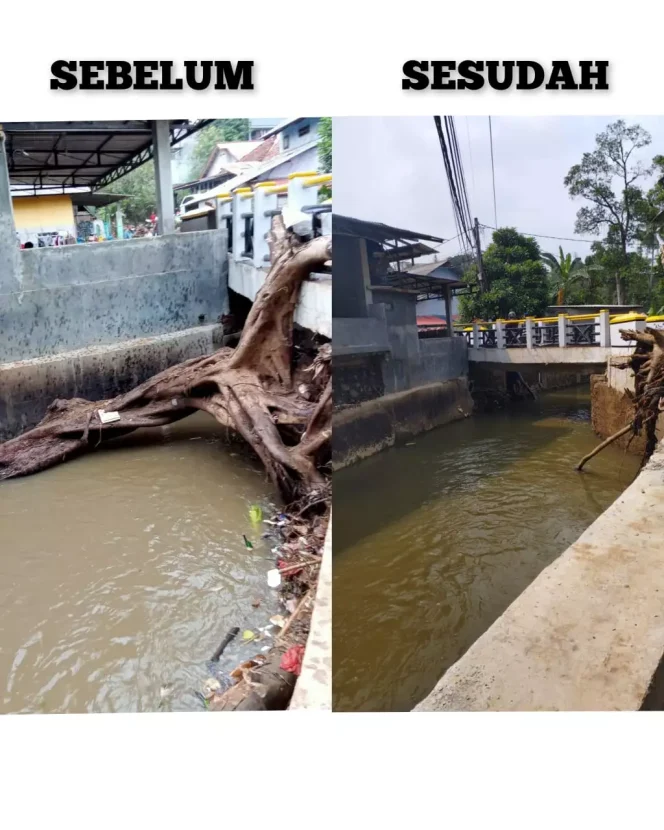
point(565, 273)
point(254, 389)
point(140, 190)
point(325, 145)
point(516, 278)
point(227, 129)
point(619, 211)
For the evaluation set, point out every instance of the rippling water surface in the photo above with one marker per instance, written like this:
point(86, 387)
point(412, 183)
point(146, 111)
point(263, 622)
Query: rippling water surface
point(433, 541)
point(121, 572)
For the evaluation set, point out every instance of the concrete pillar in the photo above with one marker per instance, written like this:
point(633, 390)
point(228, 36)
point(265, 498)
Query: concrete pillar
point(500, 334)
point(604, 328)
point(529, 333)
point(118, 223)
point(11, 274)
point(562, 330)
point(448, 310)
point(366, 272)
point(161, 143)
point(240, 205)
point(476, 336)
point(264, 201)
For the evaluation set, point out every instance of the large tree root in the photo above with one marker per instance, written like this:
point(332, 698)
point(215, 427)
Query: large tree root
point(252, 389)
point(647, 363)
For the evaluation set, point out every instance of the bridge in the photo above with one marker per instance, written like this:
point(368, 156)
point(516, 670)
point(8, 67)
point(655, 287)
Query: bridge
point(574, 341)
point(247, 214)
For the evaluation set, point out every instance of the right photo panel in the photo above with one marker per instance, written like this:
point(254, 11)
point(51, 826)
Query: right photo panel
point(498, 367)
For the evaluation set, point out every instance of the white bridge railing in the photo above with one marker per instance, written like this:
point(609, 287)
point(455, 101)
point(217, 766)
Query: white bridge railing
point(564, 331)
point(248, 212)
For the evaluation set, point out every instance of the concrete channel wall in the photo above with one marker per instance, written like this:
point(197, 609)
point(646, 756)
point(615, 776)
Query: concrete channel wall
point(94, 320)
point(314, 686)
point(588, 633)
point(361, 431)
point(78, 296)
point(28, 387)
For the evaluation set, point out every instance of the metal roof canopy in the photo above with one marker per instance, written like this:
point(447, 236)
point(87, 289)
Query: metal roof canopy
point(376, 231)
point(57, 156)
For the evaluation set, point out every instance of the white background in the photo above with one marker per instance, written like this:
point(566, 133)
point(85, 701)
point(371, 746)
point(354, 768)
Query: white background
point(334, 57)
point(318, 770)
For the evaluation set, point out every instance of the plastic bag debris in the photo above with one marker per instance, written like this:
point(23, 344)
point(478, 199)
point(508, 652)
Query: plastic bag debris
point(278, 620)
point(255, 514)
point(248, 635)
point(292, 660)
point(274, 578)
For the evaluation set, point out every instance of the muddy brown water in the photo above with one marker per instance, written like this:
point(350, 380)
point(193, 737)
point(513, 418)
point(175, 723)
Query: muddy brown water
point(433, 541)
point(120, 573)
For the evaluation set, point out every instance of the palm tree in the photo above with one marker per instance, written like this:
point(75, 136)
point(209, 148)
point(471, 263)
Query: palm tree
point(564, 272)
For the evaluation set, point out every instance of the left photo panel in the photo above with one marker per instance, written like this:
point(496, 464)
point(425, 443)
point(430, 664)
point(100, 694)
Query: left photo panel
point(165, 415)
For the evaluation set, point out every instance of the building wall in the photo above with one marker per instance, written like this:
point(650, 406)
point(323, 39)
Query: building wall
point(43, 214)
point(89, 295)
point(290, 138)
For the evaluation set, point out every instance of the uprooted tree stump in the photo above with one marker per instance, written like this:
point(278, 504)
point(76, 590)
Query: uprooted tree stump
point(253, 389)
point(647, 363)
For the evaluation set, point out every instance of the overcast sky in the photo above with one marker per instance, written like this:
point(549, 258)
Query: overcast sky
point(391, 170)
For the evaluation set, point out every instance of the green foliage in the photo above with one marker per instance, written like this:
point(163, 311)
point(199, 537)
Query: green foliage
point(325, 155)
point(227, 129)
point(516, 277)
point(607, 178)
point(140, 188)
point(566, 274)
point(325, 145)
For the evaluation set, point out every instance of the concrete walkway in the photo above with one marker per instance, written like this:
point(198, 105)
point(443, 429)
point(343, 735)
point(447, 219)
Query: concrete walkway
point(314, 686)
point(588, 633)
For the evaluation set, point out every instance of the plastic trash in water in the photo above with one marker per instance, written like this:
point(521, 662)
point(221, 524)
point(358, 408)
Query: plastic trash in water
point(274, 578)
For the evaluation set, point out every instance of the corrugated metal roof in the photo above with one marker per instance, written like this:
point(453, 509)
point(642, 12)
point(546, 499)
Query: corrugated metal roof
point(59, 156)
point(376, 231)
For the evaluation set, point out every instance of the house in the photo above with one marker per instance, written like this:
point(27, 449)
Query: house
point(38, 219)
point(290, 147)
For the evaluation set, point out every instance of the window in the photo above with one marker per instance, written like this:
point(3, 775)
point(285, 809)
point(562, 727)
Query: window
point(286, 142)
point(304, 130)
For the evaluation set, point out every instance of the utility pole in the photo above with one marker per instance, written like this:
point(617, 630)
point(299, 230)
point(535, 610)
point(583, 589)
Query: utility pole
point(478, 255)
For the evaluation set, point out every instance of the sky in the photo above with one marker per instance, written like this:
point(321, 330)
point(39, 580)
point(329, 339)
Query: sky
point(391, 170)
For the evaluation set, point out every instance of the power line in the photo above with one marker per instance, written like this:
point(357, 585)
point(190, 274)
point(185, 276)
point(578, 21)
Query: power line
point(470, 156)
point(544, 236)
point(455, 177)
point(493, 174)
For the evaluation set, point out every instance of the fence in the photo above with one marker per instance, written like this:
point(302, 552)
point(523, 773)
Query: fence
point(248, 212)
point(600, 330)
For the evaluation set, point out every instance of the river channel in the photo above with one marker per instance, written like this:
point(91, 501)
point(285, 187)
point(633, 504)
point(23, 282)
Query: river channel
point(433, 541)
point(121, 571)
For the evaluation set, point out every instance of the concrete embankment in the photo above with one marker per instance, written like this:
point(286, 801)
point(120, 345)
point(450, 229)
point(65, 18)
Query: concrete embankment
point(28, 387)
point(361, 431)
point(314, 686)
point(588, 633)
